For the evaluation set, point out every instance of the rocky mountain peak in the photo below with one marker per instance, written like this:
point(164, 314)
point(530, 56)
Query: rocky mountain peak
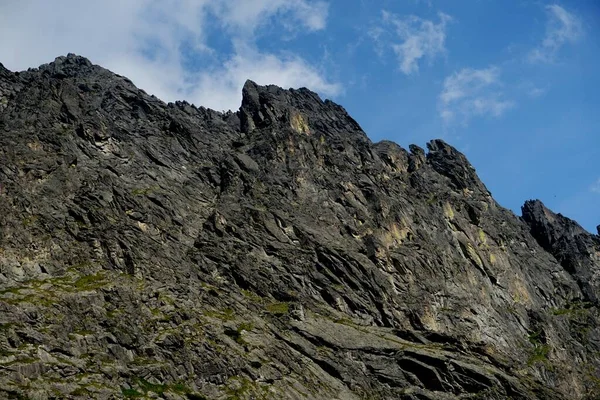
point(152, 250)
point(448, 161)
point(572, 246)
point(548, 227)
point(300, 109)
point(70, 65)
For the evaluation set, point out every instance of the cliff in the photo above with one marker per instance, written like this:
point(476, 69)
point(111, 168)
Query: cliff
point(169, 251)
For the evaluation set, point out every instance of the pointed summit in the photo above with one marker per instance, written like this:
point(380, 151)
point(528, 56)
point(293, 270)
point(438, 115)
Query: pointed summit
point(572, 246)
point(548, 227)
point(70, 65)
point(301, 109)
point(250, 96)
point(450, 162)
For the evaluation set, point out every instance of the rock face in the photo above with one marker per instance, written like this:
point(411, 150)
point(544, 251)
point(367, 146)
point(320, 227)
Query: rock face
point(574, 248)
point(169, 251)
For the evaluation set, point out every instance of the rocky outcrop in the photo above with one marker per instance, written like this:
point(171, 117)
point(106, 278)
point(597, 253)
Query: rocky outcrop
point(169, 251)
point(574, 248)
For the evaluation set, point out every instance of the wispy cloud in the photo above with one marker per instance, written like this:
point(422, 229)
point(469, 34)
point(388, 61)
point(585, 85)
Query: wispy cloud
point(247, 15)
point(531, 89)
point(152, 42)
point(419, 38)
point(221, 87)
point(595, 187)
point(472, 92)
point(536, 92)
point(562, 27)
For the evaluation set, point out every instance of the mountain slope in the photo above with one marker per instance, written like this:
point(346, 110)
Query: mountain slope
point(152, 249)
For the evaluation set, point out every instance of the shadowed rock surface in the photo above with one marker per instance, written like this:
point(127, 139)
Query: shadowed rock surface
point(169, 251)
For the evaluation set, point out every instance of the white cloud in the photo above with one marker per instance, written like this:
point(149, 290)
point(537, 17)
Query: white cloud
point(595, 188)
point(151, 41)
point(470, 93)
point(562, 27)
point(420, 38)
point(248, 15)
point(222, 87)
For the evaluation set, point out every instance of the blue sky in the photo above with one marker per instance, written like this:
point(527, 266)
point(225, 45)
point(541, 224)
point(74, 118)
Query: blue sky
point(512, 84)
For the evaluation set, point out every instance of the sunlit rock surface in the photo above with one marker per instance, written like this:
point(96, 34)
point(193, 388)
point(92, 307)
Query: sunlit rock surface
point(169, 251)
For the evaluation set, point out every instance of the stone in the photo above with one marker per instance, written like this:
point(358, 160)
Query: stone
point(171, 251)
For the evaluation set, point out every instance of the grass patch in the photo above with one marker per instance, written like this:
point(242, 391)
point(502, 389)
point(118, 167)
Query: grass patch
point(29, 220)
point(535, 338)
point(245, 326)
point(90, 282)
point(180, 388)
point(539, 355)
point(11, 290)
point(278, 308)
point(345, 321)
point(25, 360)
point(131, 393)
point(574, 309)
point(151, 387)
point(540, 350)
point(144, 387)
point(225, 315)
point(252, 296)
point(48, 292)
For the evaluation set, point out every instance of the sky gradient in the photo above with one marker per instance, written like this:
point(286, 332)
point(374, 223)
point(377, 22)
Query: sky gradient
point(512, 84)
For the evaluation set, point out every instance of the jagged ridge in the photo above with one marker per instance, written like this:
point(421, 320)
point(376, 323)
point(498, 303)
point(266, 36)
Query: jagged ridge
point(274, 252)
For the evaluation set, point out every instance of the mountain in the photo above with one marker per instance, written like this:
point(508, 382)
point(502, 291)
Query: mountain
point(152, 250)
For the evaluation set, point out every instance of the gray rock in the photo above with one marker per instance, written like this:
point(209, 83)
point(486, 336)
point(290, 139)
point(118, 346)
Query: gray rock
point(170, 251)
